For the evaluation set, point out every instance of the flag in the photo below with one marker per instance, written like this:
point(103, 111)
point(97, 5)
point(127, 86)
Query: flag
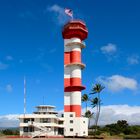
point(69, 12)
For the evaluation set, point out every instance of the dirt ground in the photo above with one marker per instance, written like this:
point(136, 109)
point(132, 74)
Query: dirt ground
point(4, 138)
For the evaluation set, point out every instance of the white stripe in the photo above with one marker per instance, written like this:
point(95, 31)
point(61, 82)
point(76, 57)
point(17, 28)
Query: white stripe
point(72, 48)
point(72, 72)
point(67, 98)
point(66, 41)
point(67, 49)
point(72, 98)
point(75, 72)
point(75, 48)
point(66, 72)
point(75, 98)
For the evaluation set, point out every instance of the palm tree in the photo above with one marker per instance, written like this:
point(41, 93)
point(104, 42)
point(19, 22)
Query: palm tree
point(85, 98)
point(96, 101)
point(89, 115)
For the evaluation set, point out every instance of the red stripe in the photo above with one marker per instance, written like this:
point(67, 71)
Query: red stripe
point(74, 88)
point(72, 82)
point(72, 57)
point(66, 82)
point(75, 81)
point(73, 108)
point(66, 58)
point(75, 57)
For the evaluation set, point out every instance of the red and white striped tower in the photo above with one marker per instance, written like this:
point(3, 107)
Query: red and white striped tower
point(74, 32)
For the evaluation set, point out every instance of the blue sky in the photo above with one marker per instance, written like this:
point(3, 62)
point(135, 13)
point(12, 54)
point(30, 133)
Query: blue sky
point(31, 44)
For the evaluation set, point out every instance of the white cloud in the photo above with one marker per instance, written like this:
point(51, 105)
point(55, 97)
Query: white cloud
point(113, 113)
point(132, 60)
point(60, 16)
point(56, 8)
point(10, 120)
point(9, 88)
point(116, 83)
point(109, 114)
point(109, 49)
point(3, 66)
point(8, 57)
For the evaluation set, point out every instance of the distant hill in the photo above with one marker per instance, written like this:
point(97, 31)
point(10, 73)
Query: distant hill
point(11, 128)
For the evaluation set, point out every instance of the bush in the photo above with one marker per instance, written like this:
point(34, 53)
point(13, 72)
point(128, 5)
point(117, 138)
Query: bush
point(10, 132)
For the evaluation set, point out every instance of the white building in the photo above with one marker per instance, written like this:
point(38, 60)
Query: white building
point(75, 126)
point(45, 122)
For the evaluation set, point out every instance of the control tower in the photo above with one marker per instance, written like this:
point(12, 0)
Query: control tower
point(74, 32)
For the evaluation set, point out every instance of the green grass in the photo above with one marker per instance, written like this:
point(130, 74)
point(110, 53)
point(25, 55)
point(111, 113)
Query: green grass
point(131, 136)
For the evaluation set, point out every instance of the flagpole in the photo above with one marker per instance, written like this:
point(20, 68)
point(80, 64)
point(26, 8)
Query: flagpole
point(24, 96)
point(72, 17)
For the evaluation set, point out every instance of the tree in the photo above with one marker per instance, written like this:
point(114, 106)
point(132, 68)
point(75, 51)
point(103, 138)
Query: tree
point(89, 115)
point(85, 98)
point(96, 102)
point(120, 127)
point(122, 123)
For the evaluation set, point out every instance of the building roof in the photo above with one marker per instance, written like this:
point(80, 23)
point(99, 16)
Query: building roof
point(45, 106)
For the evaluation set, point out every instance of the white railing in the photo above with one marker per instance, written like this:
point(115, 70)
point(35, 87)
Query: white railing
point(82, 44)
point(43, 130)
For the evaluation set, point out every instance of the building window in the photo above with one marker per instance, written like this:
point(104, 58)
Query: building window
point(31, 129)
point(32, 119)
point(71, 129)
point(25, 129)
point(26, 120)
point(45, 120)
point(84, 132)
point(71, 121)
point(71, 115)
point(60, 122)
point(83, 121)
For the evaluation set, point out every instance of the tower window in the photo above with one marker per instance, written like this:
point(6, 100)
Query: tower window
point(71, 129)
point(71, 115)
point(71, 121)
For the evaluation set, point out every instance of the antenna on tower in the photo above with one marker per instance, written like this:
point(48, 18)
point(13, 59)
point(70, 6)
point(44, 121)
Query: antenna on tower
point(43, 101)
point(24, 95)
